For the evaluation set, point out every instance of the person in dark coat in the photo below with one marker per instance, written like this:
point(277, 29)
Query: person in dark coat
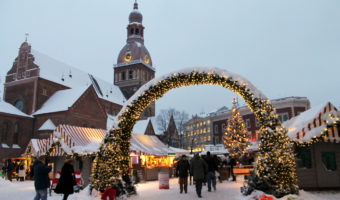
point(232, 163)
point(41, 179)
point(212, 167)
point(198, 169)
point(182, 171)
point(67, 180)
point(9, 169)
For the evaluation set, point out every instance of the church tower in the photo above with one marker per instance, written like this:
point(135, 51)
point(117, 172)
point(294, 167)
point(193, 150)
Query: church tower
point(134, 65)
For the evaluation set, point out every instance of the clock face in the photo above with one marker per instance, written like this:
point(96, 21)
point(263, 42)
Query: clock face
point(20, 105)
point(146, 59)
point(128, 57)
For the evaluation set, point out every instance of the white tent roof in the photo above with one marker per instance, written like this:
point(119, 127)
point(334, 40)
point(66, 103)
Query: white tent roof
point(83, 140)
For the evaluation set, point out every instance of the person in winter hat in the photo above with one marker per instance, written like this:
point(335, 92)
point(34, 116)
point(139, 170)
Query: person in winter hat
point(67, 180)
point(41, 179)
point(182, 171)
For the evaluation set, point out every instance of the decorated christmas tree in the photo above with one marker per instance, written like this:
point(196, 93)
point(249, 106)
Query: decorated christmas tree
point(236, 133)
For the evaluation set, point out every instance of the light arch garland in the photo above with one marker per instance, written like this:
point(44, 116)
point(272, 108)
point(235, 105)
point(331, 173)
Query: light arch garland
point(276, 162)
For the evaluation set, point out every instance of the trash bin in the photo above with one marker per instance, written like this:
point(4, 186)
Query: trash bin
point(163, 178)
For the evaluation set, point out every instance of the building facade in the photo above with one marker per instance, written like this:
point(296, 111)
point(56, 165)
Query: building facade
point(216, 122)
point(41, 93)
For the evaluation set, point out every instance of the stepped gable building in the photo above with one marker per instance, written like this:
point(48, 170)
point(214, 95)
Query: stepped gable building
point(134, 65)
point(46, 92)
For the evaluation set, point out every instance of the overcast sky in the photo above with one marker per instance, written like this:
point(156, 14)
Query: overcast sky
point(285, 48)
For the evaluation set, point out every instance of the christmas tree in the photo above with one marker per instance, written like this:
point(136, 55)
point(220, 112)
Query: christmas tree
point(236, 133)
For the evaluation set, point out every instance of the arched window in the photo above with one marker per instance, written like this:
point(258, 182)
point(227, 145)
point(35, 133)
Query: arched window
point(4, 133)
point(137, 31)
point(16, 134)
point(131, 31)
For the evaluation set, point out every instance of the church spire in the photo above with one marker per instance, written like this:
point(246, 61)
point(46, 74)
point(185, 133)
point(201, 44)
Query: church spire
point(135, 5)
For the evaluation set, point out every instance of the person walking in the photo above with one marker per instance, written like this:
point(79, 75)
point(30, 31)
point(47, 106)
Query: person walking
point(198, 169)
point(9, 169)
point(41, 179)
point(232, 163)
point(22, 171)
point(212, 167)
point(182, 171)
point(67, 180)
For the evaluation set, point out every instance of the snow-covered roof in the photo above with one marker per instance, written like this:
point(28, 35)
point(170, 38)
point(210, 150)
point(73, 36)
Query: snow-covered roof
point(10, 109)
point(61, 100)
point(58, 72)
point(47, 126)
point(148, 144)
point(83, 140)
point(312, 123)
point(179, 151)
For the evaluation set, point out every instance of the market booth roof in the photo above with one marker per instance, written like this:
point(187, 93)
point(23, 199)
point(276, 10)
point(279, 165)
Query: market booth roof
point(67, 139)
point(313, 122)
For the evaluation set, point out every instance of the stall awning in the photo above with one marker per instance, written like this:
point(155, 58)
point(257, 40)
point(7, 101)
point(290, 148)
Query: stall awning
point(148, 144)
point(312, 123)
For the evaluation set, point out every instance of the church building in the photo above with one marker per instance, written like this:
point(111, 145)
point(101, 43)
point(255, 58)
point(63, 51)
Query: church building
point(41, 92)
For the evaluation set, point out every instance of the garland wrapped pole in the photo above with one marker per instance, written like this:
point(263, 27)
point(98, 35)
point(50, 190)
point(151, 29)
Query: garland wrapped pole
point(275, 170)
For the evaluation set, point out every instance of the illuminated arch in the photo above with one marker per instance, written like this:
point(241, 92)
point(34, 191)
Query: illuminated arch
point(275, 165)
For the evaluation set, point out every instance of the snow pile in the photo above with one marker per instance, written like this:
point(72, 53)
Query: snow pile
point(149, 190)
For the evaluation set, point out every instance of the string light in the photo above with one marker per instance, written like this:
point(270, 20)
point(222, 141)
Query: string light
point(276, 162)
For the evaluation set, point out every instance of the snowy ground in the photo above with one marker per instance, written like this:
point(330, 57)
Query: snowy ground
point(150, 191)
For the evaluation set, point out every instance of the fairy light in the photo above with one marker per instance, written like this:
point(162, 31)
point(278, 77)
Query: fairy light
point(276, 162)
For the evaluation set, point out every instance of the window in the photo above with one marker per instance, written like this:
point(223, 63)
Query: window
point(44, 92)
point(130, 74)
point(4, 134)
point(131, 31)
point(304, 157)
point(329, 160)
point(283, 117)
point(248, 123)
point(137, 31)
point(16, 134)
point(123, 76)
point(27, 73)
